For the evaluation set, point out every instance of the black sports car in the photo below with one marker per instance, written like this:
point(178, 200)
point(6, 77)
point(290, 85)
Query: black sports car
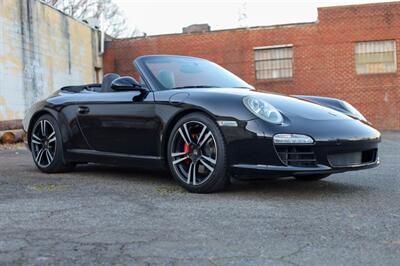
point(200, 121)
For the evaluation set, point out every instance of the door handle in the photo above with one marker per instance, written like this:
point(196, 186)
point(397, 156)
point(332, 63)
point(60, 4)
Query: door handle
point(83, 109)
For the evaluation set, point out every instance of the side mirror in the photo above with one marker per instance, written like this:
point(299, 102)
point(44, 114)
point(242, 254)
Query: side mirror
point(126, 84)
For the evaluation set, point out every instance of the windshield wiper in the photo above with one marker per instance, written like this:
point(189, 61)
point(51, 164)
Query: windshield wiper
point(196, 86)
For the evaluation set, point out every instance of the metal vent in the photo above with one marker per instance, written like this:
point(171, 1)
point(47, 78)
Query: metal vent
point(300, 156)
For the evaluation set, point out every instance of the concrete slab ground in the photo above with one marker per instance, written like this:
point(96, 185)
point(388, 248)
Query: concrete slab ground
point(100, 215)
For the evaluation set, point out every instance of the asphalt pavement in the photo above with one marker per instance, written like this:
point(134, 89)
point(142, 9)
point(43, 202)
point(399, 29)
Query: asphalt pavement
point(99, 215)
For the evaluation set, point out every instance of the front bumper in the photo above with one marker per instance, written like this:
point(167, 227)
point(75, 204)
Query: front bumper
point(282, 171)
point(252, 153)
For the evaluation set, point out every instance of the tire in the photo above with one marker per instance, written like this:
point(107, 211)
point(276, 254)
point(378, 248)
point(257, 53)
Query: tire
point(196, 154)
point(309, 178)
point(46, 146)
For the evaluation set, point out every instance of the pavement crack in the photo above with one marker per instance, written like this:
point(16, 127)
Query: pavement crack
point(297, 251)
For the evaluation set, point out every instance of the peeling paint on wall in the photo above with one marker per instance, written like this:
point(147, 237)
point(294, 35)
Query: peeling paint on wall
point(34, 78)
point(41, 50)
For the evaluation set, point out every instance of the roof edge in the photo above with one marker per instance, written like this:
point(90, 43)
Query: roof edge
point(360, 5)
point(66, 15)
point(288, 25)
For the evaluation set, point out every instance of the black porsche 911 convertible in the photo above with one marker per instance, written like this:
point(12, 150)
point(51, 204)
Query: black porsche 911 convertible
point(201, 122)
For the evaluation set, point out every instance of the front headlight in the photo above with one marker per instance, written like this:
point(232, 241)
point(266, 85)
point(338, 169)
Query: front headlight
point(263, 109)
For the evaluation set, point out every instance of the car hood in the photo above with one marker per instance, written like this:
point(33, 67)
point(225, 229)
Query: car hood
point(291, 107)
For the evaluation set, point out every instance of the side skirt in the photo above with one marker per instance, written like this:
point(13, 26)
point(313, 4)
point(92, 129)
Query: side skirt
point(112, 158)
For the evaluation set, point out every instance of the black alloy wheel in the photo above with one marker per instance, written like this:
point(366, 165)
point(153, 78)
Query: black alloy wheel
point(196, 154)
point(46, 146)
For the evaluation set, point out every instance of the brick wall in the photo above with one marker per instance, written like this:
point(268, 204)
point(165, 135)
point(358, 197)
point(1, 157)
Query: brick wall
point(324, 60)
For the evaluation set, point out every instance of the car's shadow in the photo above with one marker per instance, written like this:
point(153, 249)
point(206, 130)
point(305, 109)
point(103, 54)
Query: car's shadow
point(292, 188)
point(333, 186)
point(125, 173)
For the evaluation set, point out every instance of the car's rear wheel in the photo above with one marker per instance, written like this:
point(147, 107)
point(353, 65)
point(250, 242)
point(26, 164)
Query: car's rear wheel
point(196, 154)
point(315, 177)
point(46, 146)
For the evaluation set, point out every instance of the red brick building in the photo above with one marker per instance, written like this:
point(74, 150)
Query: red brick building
point(350, 53)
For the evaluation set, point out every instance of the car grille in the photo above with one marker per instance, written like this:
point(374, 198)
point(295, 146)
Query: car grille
point(295, 155)
point(352, 158)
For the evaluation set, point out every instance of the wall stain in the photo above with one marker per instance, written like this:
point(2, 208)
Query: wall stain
point(67, 36)
point(33, 73)
point(41, 50)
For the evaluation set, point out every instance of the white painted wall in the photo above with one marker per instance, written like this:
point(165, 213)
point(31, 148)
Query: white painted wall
point(41, 50)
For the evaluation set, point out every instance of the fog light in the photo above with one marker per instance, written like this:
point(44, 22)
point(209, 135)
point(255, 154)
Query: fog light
point(292, 139)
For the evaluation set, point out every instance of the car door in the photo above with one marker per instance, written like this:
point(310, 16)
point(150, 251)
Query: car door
point(119, 122)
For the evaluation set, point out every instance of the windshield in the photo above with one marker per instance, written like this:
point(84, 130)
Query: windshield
point(176, 72)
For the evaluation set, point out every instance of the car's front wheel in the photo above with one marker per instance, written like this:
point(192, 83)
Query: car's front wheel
point(196, 154)
point(46, 146)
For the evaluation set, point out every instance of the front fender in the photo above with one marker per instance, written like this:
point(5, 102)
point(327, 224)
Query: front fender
point(219, 105)
point(335, 104)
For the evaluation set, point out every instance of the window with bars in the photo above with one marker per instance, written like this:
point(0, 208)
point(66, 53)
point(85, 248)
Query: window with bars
point(376, 57)
point(273, 62)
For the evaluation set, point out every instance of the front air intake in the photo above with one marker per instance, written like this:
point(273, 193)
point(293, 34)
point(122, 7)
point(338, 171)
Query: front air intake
point(352, 158)
point(296, 155)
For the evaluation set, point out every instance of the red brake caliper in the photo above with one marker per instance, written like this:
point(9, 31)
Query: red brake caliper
point(186, 148)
